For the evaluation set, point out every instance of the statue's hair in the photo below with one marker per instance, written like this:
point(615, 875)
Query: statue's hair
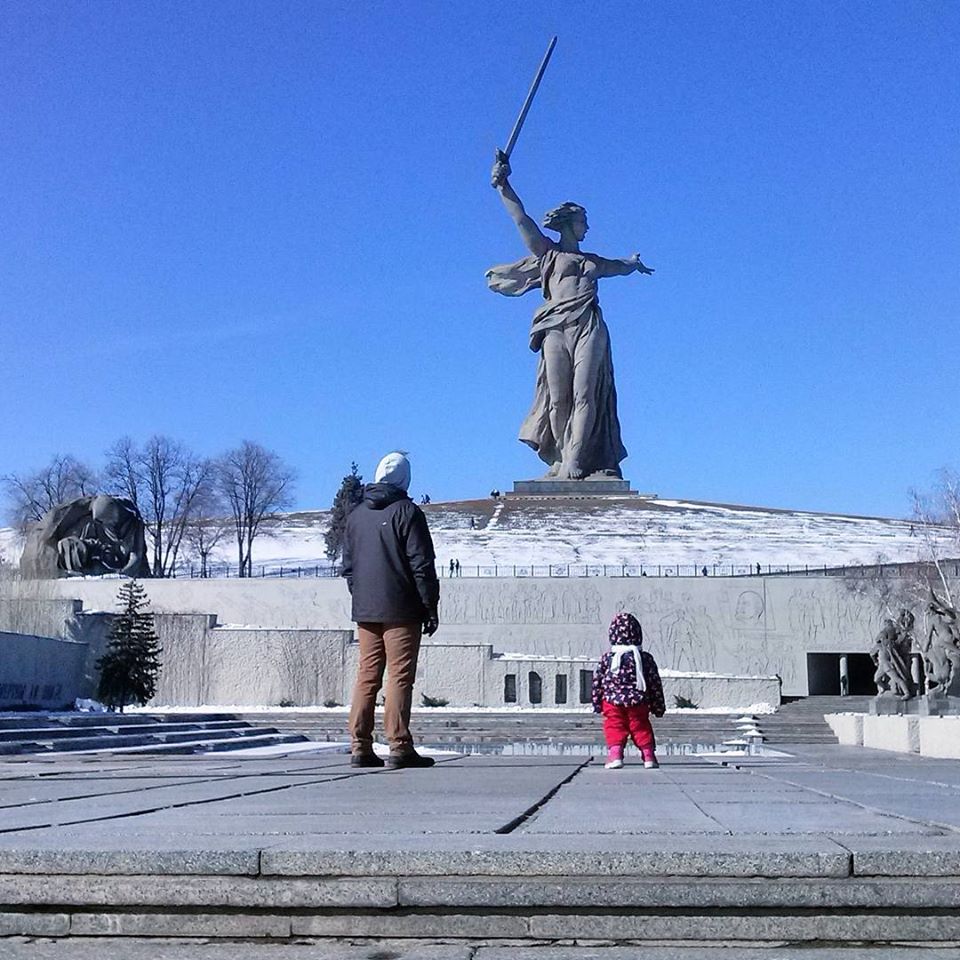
point(555, 219)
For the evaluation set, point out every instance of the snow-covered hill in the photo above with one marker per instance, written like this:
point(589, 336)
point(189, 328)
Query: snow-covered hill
point(526, 531)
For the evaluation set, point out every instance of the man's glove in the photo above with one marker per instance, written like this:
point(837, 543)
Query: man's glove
point(430, 624)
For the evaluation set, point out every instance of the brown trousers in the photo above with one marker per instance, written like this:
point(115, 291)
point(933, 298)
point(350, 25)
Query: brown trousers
point(395, 646)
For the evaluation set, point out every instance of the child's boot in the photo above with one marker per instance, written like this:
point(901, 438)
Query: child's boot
point(650, 761)
point(614, 758)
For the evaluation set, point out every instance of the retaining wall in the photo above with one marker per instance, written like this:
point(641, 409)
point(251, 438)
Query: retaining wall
point(761, 626)
point(40, 671)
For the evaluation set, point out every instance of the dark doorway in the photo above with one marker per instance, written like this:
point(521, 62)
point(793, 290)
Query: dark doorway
point(535, 686)
point(823, 674)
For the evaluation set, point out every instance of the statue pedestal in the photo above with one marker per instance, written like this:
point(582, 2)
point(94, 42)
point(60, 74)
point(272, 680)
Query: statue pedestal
point(588, 487)
point(923, 706)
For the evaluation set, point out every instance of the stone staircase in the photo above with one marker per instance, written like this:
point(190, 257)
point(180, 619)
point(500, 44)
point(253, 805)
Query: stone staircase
point(485, 731)
point(57, 733)
point(801, 721)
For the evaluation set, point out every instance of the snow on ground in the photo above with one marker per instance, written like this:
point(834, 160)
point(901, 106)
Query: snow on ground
point(614, 531)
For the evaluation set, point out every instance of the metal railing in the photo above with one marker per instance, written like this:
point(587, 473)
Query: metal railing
point(578, 570)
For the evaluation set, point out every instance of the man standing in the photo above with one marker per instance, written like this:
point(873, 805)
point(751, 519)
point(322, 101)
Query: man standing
point(388, 561)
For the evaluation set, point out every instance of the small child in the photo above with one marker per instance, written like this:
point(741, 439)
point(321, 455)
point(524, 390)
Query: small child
point(625, 695)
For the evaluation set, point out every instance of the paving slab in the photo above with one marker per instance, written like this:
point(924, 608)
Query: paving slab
point(133, 948)
point(770, 952)
point(774, 926)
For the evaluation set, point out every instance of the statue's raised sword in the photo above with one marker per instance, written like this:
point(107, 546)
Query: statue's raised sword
point(505, 153)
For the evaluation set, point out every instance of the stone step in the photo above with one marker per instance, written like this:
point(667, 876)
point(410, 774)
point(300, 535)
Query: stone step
point(464, 908)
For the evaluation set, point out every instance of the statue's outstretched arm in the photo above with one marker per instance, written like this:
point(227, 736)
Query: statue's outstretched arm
point(534, 240)
point(623, 267)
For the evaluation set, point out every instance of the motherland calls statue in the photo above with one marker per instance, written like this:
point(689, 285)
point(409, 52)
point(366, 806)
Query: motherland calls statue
point(87, 536)
point(573, 422)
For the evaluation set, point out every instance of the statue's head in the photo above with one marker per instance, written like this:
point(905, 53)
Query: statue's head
point(567, 214)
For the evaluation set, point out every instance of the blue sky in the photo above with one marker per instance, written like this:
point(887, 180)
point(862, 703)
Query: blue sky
point(271, 221)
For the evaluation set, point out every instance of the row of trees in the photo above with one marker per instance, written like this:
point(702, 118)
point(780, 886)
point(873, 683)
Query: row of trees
point(187, 501)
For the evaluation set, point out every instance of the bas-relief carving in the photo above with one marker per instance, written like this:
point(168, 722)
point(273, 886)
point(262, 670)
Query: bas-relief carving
point(527, 603)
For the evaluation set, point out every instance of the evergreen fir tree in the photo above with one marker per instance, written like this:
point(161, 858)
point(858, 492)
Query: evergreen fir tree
point(131, 663)
point(348, 496)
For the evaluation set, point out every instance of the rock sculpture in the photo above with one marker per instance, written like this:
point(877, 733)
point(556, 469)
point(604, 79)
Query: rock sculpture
point(941, 648)
point(88, 536)
point(891, 654)
point(573, 424)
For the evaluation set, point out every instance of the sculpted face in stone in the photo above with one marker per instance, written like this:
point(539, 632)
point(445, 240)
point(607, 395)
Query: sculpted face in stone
point(749, 607)
point(88, 536)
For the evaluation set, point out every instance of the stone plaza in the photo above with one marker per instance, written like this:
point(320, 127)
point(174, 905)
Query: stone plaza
point(805, 852)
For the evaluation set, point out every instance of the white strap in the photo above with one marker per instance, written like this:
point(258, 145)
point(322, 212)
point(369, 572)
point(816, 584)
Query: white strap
point(618, 650)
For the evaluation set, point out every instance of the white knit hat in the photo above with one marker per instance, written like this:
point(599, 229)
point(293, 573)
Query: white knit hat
point(394, 468)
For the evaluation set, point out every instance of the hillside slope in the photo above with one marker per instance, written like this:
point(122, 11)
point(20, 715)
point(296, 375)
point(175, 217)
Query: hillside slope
point(629, 530)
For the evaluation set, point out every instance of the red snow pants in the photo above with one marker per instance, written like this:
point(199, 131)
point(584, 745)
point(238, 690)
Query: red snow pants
point(622, 723)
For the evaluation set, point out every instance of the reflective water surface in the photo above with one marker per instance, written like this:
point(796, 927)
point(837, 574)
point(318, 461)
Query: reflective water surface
point(528, 748)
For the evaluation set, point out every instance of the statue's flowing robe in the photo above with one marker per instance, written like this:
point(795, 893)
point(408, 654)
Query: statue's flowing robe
point(603, 449)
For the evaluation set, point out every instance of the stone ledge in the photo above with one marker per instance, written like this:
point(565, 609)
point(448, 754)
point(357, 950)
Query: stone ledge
point(588, 487)
point(702, 856)
point(146, 861)
point(229, 895)
point(178, 925)
point(869, 926)
point(600, 892)
point(191, 891)
point(14, 924)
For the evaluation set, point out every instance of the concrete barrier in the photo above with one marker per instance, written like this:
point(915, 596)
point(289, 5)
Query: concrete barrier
point(927, 736)
point(939, 737)
point(848, 727)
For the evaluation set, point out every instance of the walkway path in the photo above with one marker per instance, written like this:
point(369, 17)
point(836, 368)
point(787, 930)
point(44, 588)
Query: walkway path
point(824, 845)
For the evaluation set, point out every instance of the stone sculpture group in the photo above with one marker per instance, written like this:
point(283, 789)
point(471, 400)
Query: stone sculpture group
point(938, 646)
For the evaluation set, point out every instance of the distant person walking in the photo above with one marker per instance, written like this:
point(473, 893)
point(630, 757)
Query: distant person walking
point(626, 690)
point(388, 562)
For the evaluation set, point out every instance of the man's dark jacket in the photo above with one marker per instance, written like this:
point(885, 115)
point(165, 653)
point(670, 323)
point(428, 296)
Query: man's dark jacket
point(388, 559)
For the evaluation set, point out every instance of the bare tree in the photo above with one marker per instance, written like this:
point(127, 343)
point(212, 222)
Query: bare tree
point(936, 521)
point(165, 480)
point(206, 528)
point(31, 495)
point(255, 483)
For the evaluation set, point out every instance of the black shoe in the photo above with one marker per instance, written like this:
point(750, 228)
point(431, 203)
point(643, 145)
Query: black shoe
point(412, 759)
point(365, 760)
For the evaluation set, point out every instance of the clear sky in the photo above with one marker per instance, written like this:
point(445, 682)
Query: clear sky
point(270, 221)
